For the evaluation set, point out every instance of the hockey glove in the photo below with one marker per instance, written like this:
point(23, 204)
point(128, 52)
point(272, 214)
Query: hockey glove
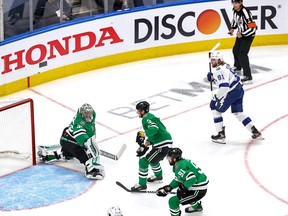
point(141, 150)
point(210, 77)
point(163, 191)
point(182, 191)
point(140, 138)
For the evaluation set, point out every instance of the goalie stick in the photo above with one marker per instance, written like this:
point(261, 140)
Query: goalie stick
point(210, 67)
point(112, 156)
point(104, 153)
point(130, 191)
point(107, 154)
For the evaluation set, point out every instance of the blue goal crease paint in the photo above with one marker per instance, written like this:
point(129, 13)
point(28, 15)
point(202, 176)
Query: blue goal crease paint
point(40, 185)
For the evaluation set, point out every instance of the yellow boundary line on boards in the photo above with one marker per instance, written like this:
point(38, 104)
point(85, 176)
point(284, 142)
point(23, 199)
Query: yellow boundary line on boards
point(132, 56)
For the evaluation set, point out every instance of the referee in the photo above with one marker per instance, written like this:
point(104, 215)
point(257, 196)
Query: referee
point(246, 29)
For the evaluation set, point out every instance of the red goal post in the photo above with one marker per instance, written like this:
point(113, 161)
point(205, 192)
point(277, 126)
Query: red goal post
point(17, 131)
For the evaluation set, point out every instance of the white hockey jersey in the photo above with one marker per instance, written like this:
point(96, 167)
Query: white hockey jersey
point(226, 80)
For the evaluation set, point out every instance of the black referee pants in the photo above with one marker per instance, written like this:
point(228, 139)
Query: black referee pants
point(240, 51)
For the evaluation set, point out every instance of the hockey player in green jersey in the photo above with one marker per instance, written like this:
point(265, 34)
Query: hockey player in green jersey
point(191, 183)
point(78, 140)
point(158, 138)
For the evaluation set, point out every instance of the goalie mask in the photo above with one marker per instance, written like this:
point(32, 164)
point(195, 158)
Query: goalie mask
point(86, 111)
point(114, 211)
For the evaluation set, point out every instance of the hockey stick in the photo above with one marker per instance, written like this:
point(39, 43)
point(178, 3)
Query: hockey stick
point(104, 153)
point(130, 191)
point(210, 66)
point(112, 156)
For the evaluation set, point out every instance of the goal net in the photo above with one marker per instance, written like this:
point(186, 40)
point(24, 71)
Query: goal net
point(17, 132)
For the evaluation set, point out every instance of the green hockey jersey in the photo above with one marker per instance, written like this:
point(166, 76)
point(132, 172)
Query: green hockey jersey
point(190, 175)
point(81, 130)
point(156, 132)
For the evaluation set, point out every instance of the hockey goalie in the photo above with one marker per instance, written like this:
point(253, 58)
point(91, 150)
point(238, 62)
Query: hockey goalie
point(77, 141)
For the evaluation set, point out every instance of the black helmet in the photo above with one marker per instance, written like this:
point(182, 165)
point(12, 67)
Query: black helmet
point(239, 1)
point(175, 153)
point(143, 105)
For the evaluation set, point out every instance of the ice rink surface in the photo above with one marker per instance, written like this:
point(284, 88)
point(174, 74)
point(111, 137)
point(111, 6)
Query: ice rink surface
point(246, 178)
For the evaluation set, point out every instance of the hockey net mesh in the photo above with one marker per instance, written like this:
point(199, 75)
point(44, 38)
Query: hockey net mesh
point(17, 137)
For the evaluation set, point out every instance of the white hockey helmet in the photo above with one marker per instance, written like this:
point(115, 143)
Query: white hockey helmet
point(114, 211)
point(217, 55)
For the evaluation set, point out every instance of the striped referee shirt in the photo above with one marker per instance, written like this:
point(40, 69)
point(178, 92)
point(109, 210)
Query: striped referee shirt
point(243, 21)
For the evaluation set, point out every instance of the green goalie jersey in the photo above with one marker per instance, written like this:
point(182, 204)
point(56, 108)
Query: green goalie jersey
point(190, 175)
point(81, 130)
point(156, 132)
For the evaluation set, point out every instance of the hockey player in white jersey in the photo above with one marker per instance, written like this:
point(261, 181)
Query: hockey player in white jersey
point(230, 94)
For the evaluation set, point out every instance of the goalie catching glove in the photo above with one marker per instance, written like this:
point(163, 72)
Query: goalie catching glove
point(163, 191)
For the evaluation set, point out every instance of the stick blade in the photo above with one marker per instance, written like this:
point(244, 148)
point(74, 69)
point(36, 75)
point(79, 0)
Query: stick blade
point(122, 149)
point(122, 186)
point(112, 156)
point(130, 191)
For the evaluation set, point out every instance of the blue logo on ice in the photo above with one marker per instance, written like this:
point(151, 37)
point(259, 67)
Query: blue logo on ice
point(40, 185)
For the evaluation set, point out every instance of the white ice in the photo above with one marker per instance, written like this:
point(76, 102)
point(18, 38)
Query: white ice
point(246, 178)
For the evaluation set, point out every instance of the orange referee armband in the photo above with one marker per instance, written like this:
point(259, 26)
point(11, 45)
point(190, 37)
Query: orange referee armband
point(252, 25)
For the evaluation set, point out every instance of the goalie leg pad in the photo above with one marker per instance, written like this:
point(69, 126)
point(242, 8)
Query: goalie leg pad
point(93, 170)
point(92, 149)
point(50, 154)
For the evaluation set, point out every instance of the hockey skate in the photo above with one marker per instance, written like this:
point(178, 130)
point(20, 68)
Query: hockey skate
point(220, 137)
point(256, 134)
point(192, 210)
point(155, 179)
point(94, 174)
point(138, 187)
